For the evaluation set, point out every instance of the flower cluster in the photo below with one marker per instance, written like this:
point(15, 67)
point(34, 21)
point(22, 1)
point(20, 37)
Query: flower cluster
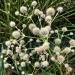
point(19, 56)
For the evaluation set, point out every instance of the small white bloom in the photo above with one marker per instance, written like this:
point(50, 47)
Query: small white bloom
point(31, 40)
point(18, 50)
point(22, 72)
point(24, 25)
point(56, 31)
point(67, 50)
point(66, 65)
point(21, 54)
point(36, 12)
point(57, 49)
point(12, 67)
point(64, 29)
point(53, 58)
point(50, 11)
point(44, 31)
point(4, 51)
point(44, 63)
point(22, 42)
point(60, 59)
point(1, 56)
point(9, 52)
point(37, 64)
point(60, 9)
point(23, 9)
point(14, 41)
point(72, 42)
point(71, 33)
point(69, 69)
point(48, 19)
point(6, 65)
point(12, 24)
point(32, 26)
point(52, 32)
point(34, 3)
point(36, 31)
point(23, 64)
point(45, 45)
point(17, 13)
point(8, 43)
point(57, 41)
point(26, 57)
point(16, 34)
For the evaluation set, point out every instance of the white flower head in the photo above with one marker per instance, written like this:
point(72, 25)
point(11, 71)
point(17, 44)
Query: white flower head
point(72, 42)
point(37, 12)
point(57, 41)
point(23, 64)
point(48, 19)
point(46, 45)
point(60, 59)
point(22, 72)
point(34, 3)
point(17, 13)
point(64, 29)
point(16, 34)
point(36, 31)
point(44, 63)
point(37, 64)
point(8, 43)
point(60, 9)
point(6, 65)
point(23, 9)
point(44, 31)
point(50, 11)
point(53, 58)
point(25, 57)
point(32, 26)
point(12, 24)
point(57, 49)
point(67, 50)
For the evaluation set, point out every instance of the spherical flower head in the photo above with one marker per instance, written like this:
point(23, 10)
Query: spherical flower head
point(57, 49)
point(23, 9)
point(53, 58)
point(18, 50)
point(8, 43)
point(24, 25)
point(12, 24)
point(14, 42)
point(46, 45)
point(32, 26)
point(72, 42)
point(36, 12)
point(23, 64)
point(34, 3)
point(16, 34)
point(69, 69)
point(22, 42)
point(36, 31)
point(25, 57)
point(66, 65)
point(44, 32)
point(37, 64)
point(60, 9)
point(48, 19)
point(64, 29)
point(17, 13)
point(60, 59)
point(23, 73)
point(67, 50)
point(4, 51)
point(50, 11)
point(57, 41)
point(9, 52)
point(44, 63)
point(6, 65)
